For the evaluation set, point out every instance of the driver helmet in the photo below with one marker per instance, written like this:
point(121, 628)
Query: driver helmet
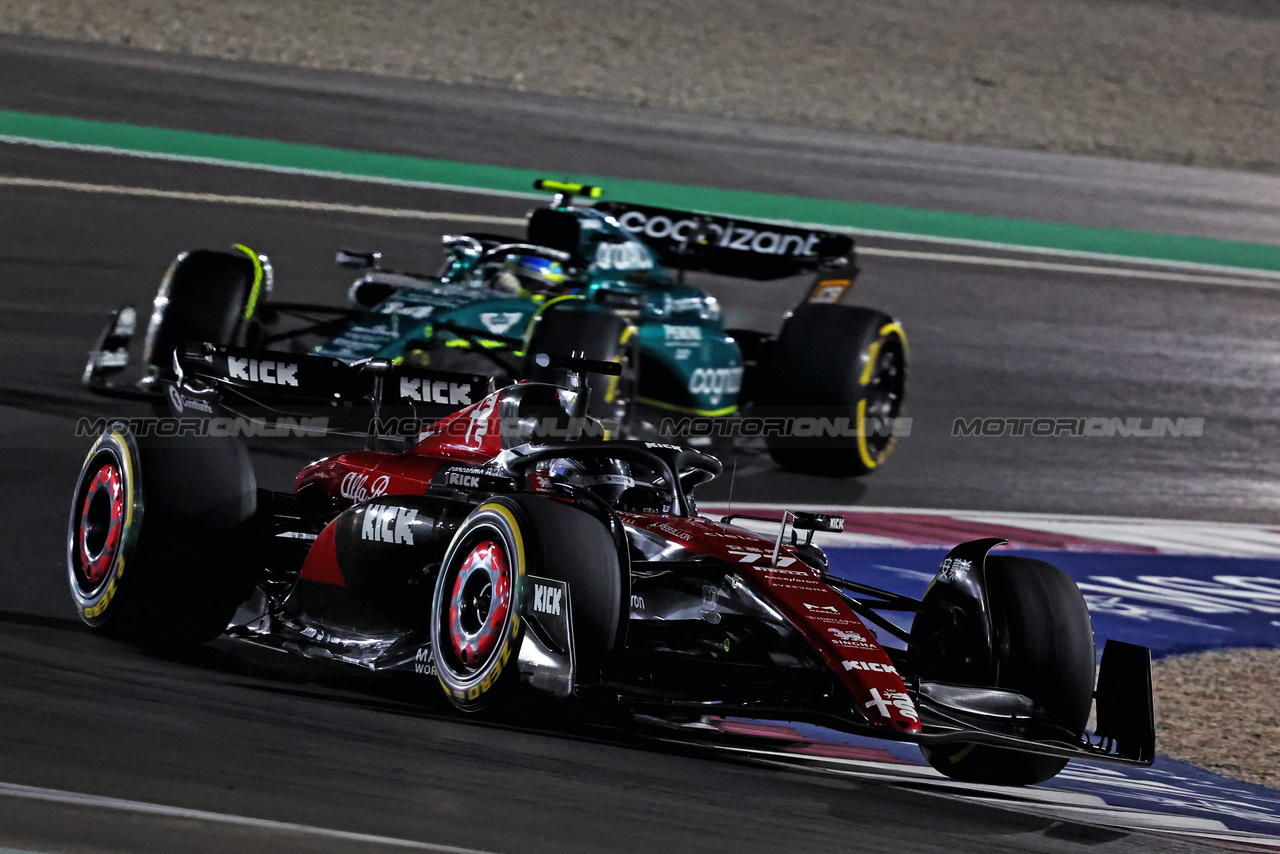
point(536, 275)
point(604, 477)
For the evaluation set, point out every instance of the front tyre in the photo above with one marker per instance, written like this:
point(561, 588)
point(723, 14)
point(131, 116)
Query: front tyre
point(1043, 649)
point(476, 628)
point(844, 369)
point(205, 296)
point(475, 621)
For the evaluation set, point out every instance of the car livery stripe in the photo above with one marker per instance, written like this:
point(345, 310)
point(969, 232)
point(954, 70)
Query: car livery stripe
point(880, 220)
point(797, 592)
point(688, 410)
point(842, 639)
point(321, 564)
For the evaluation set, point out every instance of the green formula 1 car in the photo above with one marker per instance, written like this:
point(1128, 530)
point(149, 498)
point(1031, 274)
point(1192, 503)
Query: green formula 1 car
point(604, 280)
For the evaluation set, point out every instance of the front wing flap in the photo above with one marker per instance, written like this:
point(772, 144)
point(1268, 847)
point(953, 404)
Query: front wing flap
point(1125, 732)
point(110, 357)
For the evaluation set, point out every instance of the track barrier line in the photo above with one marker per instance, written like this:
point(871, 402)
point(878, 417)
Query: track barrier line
point(35, 793)
point(259, 201)
point(916, 527)
point(904, 223)
point(1058, 804)
point(483, 219)
point(1128, 273)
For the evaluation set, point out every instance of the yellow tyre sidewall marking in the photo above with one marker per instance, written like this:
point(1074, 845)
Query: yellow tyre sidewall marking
point(873, 352)
point(533, 321)
point(611, 393)
point(863, 451)
point(255, 291)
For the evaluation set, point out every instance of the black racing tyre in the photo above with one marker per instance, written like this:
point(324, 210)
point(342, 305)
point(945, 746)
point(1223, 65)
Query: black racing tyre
point(592, 335)
point(161, 535)
point(842, 363)
point(476, 627)
point(575, 547)
point(204, 296)
point(1044, 650)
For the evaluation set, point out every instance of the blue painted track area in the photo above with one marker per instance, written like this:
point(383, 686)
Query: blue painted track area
point(1170, 603)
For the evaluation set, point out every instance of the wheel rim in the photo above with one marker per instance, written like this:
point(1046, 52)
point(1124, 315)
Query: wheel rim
point(101, 526)
point(479, 604)
point(884, 396)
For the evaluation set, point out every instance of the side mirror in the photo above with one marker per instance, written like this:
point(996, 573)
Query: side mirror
point(358, 260)
point(366, 293)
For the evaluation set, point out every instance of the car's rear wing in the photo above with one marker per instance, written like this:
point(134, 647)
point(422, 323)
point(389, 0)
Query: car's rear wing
point(731, 246)
point(215, 379)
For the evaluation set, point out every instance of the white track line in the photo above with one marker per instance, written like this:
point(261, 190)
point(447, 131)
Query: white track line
point(1020, 249)
point(1061, 804)
point(988, 245)
point(484, 219)
point(1122, 272)
point(258, 201)
point(1167, 536)
point(266, 167)
point(35, 793)
point(993, 516)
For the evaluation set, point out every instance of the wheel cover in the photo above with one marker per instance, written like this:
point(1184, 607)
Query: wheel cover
point(101, 524)
point(884, 395)
point(479, 604)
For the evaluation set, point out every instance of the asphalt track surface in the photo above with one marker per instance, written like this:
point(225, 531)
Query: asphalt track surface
point(240, 732)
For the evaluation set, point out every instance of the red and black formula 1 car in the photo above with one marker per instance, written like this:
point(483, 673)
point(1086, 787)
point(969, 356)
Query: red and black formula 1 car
point(506, 546)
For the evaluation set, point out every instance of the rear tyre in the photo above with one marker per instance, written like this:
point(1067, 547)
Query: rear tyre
point(1044, 650)
point(841, 363)
point(159, 542)
point(204, 296)
point(476, 627)
point(593, 335)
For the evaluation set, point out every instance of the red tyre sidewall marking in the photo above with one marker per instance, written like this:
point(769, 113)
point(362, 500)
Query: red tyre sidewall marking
point(96, 567)
point(474, 650)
